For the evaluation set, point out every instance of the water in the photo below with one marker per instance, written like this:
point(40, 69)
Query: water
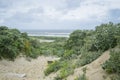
point(52, 33)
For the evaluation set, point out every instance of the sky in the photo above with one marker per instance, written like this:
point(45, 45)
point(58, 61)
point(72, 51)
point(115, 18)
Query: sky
point(58, 14)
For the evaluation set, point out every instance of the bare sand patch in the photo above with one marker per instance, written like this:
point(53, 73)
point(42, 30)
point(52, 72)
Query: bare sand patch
point(21, 69)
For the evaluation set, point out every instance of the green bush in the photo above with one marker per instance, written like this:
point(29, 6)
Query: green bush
point(53, 67)
point(75, 41)
point(87, 57)
point(10, 43)
point(52, 48)
point(105, 36)
point(13, 42)
point(113, 64)
point(66, 71)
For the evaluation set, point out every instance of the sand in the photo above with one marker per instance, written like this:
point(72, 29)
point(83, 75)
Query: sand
point(22, 69)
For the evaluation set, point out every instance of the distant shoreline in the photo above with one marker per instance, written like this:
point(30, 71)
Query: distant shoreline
point(48, 33)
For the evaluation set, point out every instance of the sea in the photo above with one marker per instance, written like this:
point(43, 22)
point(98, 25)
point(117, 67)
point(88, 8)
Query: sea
point(50, 33)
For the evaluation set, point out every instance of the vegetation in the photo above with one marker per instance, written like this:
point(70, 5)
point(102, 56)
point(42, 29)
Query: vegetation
point(53, 67)
point(81, 48)
point(13, 42)
point(52, 48)
point(84, 46)
point(112, 65)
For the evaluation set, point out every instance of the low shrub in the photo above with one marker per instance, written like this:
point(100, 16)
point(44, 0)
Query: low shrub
point(53, 67)
point(113, 64)
point(66, 71)
point(87, 57)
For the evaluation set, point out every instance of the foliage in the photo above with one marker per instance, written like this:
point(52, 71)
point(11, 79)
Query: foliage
point(87, 45)
point(76, 41)
point(13, 42)
point(105, 36)
point(88, 57)
point(10, 42)
point(113, 64)
point(66, 70)
point(52, 48)
point(53, 67)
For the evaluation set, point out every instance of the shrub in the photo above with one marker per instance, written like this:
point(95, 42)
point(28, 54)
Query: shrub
point(105, 36)
point(10, 43)
point(53, 67)
point(113, 64)
point(87, 57)
point(66, 71)
point(13, 42)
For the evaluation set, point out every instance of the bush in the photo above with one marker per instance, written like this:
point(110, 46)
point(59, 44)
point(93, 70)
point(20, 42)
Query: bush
point(105, 36)
point(13, 42)
point(66, 71)
point(76, 41)
point(53, 67)
point(113, 64)
point(87, 57)
point(10, 43)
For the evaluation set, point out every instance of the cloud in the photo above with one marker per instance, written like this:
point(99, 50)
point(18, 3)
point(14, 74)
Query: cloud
point(51, 13)
point(92, 10)
point(1, 21)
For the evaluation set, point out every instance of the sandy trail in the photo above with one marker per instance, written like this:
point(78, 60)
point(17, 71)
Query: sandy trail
point(33, 69)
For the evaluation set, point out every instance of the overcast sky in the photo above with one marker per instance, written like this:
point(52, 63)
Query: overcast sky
point(58, 14)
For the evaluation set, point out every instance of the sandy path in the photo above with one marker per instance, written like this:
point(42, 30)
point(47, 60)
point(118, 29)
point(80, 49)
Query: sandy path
point(94, 70)
point(33, 69)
